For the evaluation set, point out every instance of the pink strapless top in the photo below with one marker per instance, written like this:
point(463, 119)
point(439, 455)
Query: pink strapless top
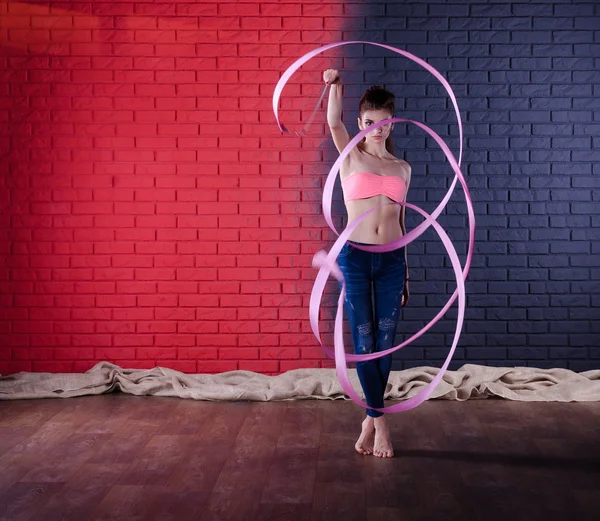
point(365, 184)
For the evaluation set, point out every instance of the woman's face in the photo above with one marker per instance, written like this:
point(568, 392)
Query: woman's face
point(368, 118)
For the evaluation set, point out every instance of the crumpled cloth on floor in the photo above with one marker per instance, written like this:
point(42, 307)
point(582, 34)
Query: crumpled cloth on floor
point(469, 382)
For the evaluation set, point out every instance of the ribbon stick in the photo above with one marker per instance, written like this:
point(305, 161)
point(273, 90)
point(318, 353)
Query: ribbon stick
point(317, 106)
point(326, 262)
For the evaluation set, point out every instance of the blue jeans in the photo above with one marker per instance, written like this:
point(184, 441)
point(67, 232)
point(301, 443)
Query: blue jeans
point(374, 286)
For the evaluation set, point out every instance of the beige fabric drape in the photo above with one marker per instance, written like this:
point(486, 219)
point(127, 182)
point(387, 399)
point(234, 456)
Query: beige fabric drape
point(468, 382)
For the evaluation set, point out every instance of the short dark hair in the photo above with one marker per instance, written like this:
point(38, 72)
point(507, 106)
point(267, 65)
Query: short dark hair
point(377, 97)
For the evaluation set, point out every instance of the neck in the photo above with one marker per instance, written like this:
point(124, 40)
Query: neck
point(376, 149)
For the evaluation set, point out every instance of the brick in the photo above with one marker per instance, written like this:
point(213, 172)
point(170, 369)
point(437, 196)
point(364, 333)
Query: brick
point(488, 353)
point(548, 340)
point(496, 10)
point(220, 366)
point(262, 366)
point(528, 353)
point(238, 353)
point(552, 50)
point(298, 364)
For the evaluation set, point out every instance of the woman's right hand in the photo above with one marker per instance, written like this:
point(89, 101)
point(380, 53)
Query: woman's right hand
point(331, 76)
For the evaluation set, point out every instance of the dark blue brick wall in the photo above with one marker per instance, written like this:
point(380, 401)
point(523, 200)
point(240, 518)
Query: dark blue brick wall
point(527, 79)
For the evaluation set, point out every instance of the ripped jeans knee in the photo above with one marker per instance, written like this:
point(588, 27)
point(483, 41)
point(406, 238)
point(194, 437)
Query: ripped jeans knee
point(386, 324)
point(365, 335)
point(386, 331)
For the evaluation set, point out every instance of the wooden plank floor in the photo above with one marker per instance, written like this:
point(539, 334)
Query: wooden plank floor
point(121, 457)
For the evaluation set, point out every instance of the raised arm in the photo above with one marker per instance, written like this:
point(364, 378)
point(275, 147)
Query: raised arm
point(334, 110)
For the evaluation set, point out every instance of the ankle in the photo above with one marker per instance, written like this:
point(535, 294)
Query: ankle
point(380, 422)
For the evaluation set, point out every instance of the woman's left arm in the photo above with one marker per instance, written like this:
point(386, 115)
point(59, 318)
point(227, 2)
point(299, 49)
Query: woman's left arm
point(406, 292)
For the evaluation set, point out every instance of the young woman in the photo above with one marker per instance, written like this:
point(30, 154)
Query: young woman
point(376, 286)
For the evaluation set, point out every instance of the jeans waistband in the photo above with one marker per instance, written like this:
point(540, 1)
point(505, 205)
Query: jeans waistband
point(367, 244)
point(361, 243)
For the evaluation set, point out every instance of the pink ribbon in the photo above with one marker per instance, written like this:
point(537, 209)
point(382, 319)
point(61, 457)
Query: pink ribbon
point(326, 262)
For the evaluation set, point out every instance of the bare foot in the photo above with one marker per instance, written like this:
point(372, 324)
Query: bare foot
point(383, 445)
point(364, 445)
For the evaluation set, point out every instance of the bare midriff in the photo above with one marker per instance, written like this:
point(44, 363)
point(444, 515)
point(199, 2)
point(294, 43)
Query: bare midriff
point(379, 227)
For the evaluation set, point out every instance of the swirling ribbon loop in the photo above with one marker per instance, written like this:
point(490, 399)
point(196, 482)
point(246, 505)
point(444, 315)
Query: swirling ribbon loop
point(326, 262)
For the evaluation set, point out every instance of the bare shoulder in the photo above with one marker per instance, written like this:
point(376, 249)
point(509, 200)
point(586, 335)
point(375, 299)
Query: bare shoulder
point(407, 168)
point(403, 167)
point(404, 164)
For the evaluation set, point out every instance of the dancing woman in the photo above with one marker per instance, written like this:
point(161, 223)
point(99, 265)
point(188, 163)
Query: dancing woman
point(376, 283)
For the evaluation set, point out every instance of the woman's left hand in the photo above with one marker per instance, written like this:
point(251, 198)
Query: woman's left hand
point(405, 294)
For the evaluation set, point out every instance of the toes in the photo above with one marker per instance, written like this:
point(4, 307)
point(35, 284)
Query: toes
point(383, 453)
point(362, 450)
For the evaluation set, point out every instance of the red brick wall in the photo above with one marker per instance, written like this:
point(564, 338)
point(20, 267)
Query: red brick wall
point(151, 212)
